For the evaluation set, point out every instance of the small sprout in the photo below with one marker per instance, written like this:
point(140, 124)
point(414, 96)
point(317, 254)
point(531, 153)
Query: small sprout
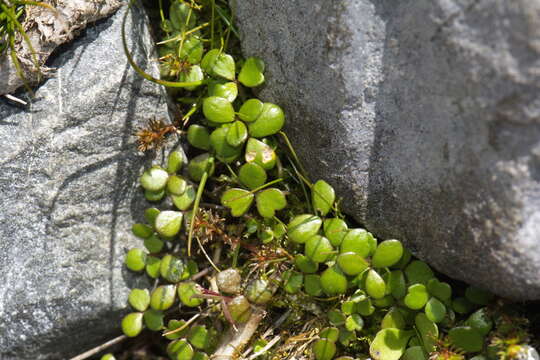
point(132, 324)
point(229, 281)
point(139, 299)
point(135, 259)
point(163, 297)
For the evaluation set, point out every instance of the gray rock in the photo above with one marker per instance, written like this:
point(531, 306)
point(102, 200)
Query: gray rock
point(69, 195)
point(425, 116)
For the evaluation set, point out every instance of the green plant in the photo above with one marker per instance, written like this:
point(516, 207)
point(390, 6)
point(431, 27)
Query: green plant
point(343, 291)
point(11, 13)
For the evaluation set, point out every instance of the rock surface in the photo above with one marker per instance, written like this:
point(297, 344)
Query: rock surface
point(425, 115)
point(68, 195)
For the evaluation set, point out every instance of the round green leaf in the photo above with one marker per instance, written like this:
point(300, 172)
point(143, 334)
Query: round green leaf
point(218, 110)
point(162, 297)
point(153, 265)
point(330, 333)
point(187, 292)
point(418, 272)
point(318, 248)
point(153, 319)
point(168, 223)
point(480, 321)
point(387, 253)
point(251, 74)
point(333, 281)
point(305, 264)
point(154, 179)
point(348, 307)
point(260, 153)
point(135, 259)
point(173, 325)
point(357, 241)
point(302, 227)
point(435, 310)
point(180, 350)
point(269, 201)
point(354, 322)
point(293, 282)
point(184, 201)
point(323, 197)
point(132, 324)
point(199, 165)
point(269, 121)
point(176, 185)
point(239, 308)
point(192, 50)
point(238, 200)
point(462, 306)
point(237, 133)
point(397, 284)
point(335, 230)
point(324, 349)
point(389, 344)
point(393, 319)
point(414, 353)
point(108, 356)
point(179, 13)
point(466, 338)
point(428, 330)
point(199, 337)
point(259, 291)
point(217, 63)
point(139, 299)
point(336, 317)
point(227, 90)
point(224, 151)
point(172, 268)
point(252, 175)
point(154, 195)
point(312, 285)
point(250, 110)
point(351, 263)
point(417, 297)
point(375, 285)
point(365, 307)
point(142, 230)
point(199, 137)
point(150, 215)
point(440, 290)
point(478, 296)
point(194, 74)
point(175, 162)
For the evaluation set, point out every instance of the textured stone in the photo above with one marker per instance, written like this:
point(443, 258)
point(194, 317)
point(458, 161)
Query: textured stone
point(425, 116)
point(68, 195)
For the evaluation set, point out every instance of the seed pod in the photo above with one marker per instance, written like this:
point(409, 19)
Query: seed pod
point(229, 281)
